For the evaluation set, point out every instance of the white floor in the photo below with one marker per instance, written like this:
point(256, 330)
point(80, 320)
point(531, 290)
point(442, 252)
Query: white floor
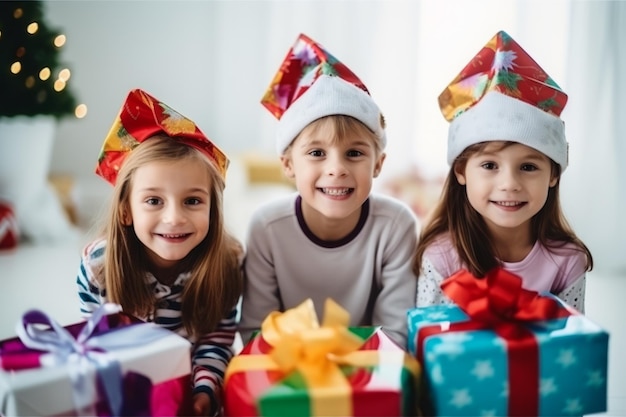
point(43, 277)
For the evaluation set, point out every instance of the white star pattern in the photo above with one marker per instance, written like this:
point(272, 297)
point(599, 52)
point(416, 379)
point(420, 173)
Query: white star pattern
point(450, 350)
point(455, 352)
point(436, 375)
point(595, 378)
point(566, 358)
point(483, 369)
point(499, 342)
point(547, 387)
point(573, 406)
point(505, 389)
point(452, 345)
point(461, 398)
point(437, 316)
point(459, 337)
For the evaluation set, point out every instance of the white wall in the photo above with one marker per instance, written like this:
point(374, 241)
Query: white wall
point(212, 61)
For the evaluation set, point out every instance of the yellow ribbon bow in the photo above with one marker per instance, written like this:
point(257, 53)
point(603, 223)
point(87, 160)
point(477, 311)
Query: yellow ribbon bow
point(300, 344)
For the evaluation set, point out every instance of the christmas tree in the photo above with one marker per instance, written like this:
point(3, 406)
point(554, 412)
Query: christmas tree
point(33, 80)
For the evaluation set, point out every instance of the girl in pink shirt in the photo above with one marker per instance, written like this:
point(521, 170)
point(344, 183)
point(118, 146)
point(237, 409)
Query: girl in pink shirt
point(500, 203)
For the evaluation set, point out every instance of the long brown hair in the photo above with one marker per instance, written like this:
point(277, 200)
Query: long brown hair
point(215, 283)
point(468, 231)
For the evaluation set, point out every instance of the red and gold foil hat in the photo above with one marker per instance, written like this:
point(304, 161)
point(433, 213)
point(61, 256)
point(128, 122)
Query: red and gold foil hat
point(503, 94)
point(311, 84)
point(141, 117)
point(304, 63)
point(502, 65)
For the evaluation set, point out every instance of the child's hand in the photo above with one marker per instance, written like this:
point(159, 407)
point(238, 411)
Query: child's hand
point(201, 404)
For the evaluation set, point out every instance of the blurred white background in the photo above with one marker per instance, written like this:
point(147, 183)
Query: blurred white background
point(213, 60)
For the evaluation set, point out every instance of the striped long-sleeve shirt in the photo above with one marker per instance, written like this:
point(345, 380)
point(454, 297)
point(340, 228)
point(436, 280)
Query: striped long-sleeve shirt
point(210, 353)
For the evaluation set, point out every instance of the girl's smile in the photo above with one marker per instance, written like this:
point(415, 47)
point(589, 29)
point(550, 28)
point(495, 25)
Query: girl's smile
point(507, 185)
point(509, 205)
point(170, 206)
point(174, 237)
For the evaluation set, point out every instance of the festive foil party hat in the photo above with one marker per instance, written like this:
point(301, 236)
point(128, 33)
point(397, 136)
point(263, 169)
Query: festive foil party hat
point(503, 94)
point(311, 84)
point(141, 117)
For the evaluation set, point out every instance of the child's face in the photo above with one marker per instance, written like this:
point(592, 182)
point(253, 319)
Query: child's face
point(507, 185)
point(334, 177)
point(170, 202)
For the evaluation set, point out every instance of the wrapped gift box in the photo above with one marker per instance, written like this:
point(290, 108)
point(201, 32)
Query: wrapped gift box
point(475, 364)
point(359, 371)
point(133, 368)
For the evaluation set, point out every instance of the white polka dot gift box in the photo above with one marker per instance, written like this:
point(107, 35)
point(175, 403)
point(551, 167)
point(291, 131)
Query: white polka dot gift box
point(501, 350)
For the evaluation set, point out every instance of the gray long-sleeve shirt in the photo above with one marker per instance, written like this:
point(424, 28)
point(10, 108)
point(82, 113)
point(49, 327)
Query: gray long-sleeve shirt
point(285, 264)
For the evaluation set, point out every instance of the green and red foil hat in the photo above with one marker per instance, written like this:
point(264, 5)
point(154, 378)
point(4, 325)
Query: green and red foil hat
point(503, 94)
point(310, 84)
point(141, 117)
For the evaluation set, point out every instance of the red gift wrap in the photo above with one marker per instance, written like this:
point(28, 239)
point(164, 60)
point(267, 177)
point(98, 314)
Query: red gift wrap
point(295, 367)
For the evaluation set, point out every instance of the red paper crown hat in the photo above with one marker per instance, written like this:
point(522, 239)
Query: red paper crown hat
point(142, 117)
point(503, 94)
point(311, 84)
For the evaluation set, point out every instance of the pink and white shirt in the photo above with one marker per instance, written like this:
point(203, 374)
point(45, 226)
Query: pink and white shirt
point(560, 271)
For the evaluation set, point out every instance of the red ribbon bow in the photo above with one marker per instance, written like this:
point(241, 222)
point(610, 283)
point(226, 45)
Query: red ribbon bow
point(498, 300)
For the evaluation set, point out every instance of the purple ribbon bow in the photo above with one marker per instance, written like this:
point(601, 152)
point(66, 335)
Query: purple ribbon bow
point(38, 331)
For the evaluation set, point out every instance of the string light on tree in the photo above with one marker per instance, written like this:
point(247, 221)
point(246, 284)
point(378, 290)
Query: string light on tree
point(33, 79)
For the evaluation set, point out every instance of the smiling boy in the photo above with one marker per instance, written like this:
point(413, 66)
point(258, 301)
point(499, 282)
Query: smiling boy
point(332, 238)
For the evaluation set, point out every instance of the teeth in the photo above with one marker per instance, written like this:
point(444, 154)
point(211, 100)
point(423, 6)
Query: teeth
point(509, 203)
point(173, 236)
point(336, 191)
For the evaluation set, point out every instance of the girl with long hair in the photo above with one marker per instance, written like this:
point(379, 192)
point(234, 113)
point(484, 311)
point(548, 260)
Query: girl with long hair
point(500, 203)
point(163, 252)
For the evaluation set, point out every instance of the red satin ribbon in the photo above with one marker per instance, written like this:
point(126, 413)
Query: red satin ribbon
point(498, 302)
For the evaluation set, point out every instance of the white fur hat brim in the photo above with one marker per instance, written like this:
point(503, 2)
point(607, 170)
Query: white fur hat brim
point(329, 95)
point(501, 117)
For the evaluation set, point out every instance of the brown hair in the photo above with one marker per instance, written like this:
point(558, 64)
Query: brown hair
point(337, 127)
point(468, 231)
point(215, 283)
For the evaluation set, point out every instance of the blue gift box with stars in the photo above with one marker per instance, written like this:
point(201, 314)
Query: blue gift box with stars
point(467, 370)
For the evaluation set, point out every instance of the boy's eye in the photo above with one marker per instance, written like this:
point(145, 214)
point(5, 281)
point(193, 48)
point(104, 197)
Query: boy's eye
point(316, 152)
point(354, 153)
point(489, 165)
point(528, 167)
